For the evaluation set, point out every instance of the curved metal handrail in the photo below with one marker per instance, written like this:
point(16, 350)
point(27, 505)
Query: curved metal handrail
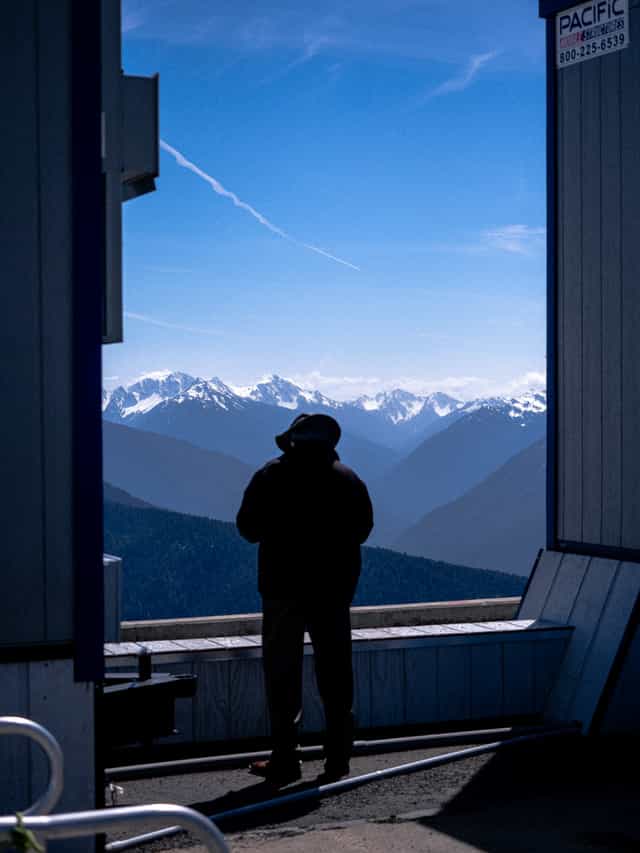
point(76, 824)
point(43, 737)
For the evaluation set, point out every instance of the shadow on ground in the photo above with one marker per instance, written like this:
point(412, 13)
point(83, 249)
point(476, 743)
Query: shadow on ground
point(563, 796)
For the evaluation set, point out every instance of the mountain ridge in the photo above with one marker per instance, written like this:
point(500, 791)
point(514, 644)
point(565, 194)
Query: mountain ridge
point(177, 565)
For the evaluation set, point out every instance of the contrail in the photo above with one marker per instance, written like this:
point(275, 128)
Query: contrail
point(217, 187)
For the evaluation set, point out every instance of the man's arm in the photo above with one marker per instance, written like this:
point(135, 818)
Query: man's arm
point(364, 514)
point(250, 518)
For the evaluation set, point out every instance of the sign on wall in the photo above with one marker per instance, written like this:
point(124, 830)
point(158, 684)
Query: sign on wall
point(590, 30)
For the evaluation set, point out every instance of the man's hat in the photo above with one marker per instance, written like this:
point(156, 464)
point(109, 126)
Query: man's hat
point(317, 428)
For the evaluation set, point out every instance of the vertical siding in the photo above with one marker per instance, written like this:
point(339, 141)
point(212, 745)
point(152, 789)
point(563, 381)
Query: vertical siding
point(47, 693)
point(570, 355)
point(599, 299)
point(630, 288)
point(596, 597)
point(35, 325)
point(54, 140)
point(591, 305)
point(20, 347)
point(611, 302)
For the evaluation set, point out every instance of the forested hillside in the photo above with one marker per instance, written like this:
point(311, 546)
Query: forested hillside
point(180, 565)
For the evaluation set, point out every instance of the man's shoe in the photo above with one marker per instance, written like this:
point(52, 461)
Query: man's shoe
point(278, 773)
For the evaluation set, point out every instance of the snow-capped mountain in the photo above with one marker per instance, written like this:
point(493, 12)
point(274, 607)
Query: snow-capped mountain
point(242, 420)
point(400, 406)
point(124, 402)
point(397, 407)
point(468, 445)
point(276, 391)
point(531, 403)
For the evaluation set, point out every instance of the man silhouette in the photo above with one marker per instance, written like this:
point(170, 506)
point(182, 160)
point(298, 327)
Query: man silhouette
point(310, 514)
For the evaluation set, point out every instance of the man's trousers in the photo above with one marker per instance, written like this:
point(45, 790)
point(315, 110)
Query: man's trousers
point(329, 626)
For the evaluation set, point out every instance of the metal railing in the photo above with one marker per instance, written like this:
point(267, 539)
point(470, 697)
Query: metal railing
point(78, 824)
point(34, 731)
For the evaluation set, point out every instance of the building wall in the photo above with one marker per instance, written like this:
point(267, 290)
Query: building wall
point(35, 323)
point(598, 298)
point(45, 691)
point(47, 169)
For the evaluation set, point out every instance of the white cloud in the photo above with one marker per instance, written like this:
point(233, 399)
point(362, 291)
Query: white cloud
point(516, 239)
point(466, 77)
point(512, 239)
point(217, 187)
point(311, 50)
point(163, 324)
point(348, 387)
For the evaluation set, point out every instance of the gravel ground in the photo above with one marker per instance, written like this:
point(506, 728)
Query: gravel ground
point(567, 795)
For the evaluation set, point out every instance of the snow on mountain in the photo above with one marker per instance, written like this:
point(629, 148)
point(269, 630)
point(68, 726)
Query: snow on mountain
point(210, 391)
point(396, 408)
point(144, 394)
point(276, 391)
point(520, 408)
point(400, 406)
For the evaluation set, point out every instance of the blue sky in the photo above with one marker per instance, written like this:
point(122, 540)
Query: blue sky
point(403, 138)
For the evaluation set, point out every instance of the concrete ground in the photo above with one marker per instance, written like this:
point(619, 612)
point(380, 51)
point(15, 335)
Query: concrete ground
point(561, 796)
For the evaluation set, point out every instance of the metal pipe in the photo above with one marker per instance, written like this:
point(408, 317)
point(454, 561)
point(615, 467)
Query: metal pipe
point(75, 824)
point(308, 753)
point(44, 738)
point(320, 791)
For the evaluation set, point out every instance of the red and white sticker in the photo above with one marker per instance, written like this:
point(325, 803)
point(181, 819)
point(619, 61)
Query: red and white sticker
point(591, 30)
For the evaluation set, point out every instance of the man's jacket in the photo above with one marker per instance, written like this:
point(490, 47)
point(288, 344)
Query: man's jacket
point(310, 514)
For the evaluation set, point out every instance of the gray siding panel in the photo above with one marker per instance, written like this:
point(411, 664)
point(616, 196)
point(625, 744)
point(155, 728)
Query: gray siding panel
point(563, 594)
point(55, 245)
point(598, 300)
point(15, 781)
point(387, 689)
point(211, 703)
point(247, 679)
point(47, 693)
point(548, 658)
point(591, 306)
point(540, 585)
point(611, 303)
point(630, 113)
point(35, 327)
point(607, 636)
point(570, 335)
point(585, 618)
point(421, 670)
point(519, 678)
point(22, 514)
point(454, 682)
point(557, 333)
point(487, 681)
